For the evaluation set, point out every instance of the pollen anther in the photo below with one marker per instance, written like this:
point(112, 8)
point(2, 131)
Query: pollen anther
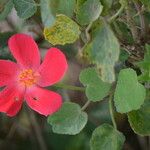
point(28, 77)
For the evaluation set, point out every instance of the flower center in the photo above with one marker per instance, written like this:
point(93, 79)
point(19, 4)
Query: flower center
point(28, 77)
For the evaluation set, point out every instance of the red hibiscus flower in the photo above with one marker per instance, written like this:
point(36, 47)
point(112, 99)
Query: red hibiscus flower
point(24, 80)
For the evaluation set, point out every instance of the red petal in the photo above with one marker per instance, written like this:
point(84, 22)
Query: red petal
point(43, 101)
point(8, 71)
point(11, 100)
point(25, 50)
point(53, 67)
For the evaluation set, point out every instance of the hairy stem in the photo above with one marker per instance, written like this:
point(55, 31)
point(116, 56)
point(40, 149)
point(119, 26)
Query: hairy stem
point(69, 87)
point(116, 14)
point(111, 111)
point(85, 105)
point(87, 32)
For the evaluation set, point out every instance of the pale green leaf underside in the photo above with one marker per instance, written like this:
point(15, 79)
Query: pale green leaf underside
point(48, 18)
point(105, 137)
point(104, 50)
point(68, 120)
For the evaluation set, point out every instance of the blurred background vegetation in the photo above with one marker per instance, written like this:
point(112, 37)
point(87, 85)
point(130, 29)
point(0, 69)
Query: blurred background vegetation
point(28, 130)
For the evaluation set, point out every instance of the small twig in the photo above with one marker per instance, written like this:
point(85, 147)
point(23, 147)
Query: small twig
point(87, 32)
point(111, 111)
point(85, 105)
point(116, 14)
point(37, 130)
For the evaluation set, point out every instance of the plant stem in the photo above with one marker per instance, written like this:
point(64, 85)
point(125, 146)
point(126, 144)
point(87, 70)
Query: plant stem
point(87, 32)
point(116, 14)
point(69, 87)
point(111, 111)
point(37, 130)
point(85, 105)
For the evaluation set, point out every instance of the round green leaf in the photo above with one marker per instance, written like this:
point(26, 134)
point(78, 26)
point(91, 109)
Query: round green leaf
point(64, 31)
point(68, 120)
point(25, 8)
point(105, 137)
point(96, 89)
point(129, 93)
point(140, 119)
point(88, 11)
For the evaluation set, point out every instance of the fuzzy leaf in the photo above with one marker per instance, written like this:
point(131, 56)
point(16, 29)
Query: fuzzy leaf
point(139, 119)
point(25, 8)
point(68, 120)
point(96, 89)
point(88, 11)
point(129, 93)
point(105, 137)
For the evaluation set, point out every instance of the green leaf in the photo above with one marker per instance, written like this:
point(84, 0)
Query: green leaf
point(68, 120)
point(88, 11)
point(65, 7)
point(64, 31)
point(129, 94)
point(48, 18)
point(105, 137)
point(96, 89)
point(106, 6)
point(145, 65)
point(5, 8)
point(139, 119)
point(25, 8)
point(50, 8)
point(104, 51)
point(124, 55)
